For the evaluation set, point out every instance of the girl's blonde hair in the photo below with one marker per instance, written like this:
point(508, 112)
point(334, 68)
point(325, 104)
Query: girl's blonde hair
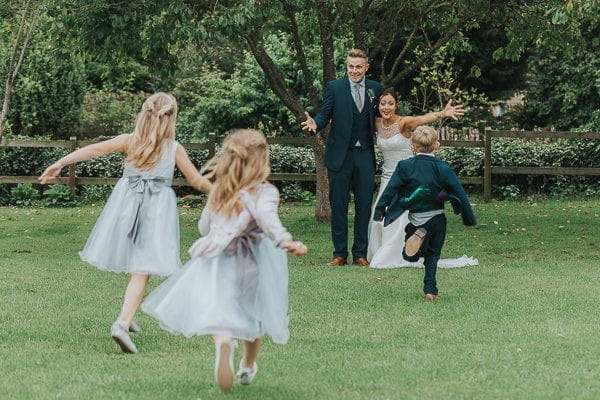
point(242, 163)
point(154, 127)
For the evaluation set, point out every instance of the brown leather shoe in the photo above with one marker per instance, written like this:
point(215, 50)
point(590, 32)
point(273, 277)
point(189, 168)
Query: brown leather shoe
point(431, 297)
point(337, 261)
point(361, 262)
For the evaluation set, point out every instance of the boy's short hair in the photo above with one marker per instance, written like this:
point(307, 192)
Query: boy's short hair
point(360, 53)
point(424, 139)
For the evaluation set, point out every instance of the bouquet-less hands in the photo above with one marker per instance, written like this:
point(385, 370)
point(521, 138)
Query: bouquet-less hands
point(50, 173)
point(453, 112)
point(296, 247)
point(309, 124)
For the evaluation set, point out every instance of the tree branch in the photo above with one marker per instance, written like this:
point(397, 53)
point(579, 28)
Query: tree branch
point(274, 77)
point(13, 69)
point(427, 55)
point(326, 24)
point(297, 40)
point(400, 56)
point(18, 39)
point(24, 46)
point(358, 30)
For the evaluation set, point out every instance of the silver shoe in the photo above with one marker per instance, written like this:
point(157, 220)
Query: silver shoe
point(120, 335)
point(134, 327)
point(246, 375)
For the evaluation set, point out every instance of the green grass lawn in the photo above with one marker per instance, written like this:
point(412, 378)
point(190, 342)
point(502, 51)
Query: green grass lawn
point(521, 325)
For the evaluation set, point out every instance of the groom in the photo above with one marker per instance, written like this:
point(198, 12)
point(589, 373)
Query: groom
point(349, 104)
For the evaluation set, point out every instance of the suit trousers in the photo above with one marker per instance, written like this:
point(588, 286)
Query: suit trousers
point(431, 249)
point(357, 175)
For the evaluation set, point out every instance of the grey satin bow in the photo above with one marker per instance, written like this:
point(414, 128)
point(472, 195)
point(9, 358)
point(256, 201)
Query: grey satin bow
point(243, 244)
point(143, 187)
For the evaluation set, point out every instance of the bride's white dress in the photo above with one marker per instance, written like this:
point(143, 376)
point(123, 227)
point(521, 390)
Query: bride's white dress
point(386, 243)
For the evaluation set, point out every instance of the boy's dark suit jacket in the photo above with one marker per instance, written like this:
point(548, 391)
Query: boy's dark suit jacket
point(337, 107)
point(423, 170)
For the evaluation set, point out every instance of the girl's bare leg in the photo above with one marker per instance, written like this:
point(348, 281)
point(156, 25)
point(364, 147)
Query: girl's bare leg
point(250, 352)
point(224, 347)
point(133, 297)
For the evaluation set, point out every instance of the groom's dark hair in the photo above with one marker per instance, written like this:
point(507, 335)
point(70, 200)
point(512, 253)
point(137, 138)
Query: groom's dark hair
point(360, 53)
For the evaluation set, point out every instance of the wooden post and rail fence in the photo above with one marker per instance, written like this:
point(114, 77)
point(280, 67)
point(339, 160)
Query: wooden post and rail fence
point(211, 145)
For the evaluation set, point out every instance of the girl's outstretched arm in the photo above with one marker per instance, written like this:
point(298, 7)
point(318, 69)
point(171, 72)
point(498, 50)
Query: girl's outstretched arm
point(189, 170)
point(296, 248)
point(116, 144)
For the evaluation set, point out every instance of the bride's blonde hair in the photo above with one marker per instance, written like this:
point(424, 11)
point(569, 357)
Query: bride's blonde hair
point(154, 127)
point(242, 163)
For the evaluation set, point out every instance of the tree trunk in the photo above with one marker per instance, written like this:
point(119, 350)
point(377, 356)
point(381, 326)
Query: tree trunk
point(15, 65)
point(322, 208)
point(277, 83)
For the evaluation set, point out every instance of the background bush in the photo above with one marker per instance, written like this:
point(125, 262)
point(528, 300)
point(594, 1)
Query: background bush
point(526, 153)
point(57, 196)
point(24, 194)
point(48, 94)
point(110, 113)
point(300, 159)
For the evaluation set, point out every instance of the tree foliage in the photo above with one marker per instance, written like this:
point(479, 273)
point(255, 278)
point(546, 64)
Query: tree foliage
point(563, 87)
point(48, 96)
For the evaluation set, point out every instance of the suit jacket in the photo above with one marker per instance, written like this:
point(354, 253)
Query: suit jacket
point(337, 107)
point(423, 170)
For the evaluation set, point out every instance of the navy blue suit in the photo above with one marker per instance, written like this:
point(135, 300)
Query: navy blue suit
point(419, 171)
point(349, 167)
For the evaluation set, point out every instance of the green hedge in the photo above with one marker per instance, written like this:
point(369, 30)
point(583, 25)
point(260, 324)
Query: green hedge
point(524, 153)
point(300, 159)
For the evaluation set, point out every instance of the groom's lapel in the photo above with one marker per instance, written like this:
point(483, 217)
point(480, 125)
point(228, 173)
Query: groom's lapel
point(347, 94)
point(369, 88)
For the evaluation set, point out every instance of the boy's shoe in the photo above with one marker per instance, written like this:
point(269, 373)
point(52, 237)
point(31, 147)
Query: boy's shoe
point(120, 335)
point(414, 242)
point(246, 375)
point(224, 362)
point(431, 297)
point(134, 327)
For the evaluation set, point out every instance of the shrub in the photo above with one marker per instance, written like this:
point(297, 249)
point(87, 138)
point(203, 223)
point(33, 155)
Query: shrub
point(95, 193)
point(110, 113)
point(293, 191)
point(57, 196)
point(28, 161)
point(5, 197)
point(48, 95)
point(24, 194)
point(524, 153)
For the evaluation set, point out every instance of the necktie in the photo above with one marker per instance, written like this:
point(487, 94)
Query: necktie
point(357, 97)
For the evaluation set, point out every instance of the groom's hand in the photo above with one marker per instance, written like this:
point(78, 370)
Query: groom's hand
point(310, 124)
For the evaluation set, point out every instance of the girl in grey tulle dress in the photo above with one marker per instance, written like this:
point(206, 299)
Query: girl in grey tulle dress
point(235, 284)
point(138, 230)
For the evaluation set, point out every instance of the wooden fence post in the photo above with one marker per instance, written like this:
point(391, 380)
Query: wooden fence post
point(212, 141)
point(73, 147)
point(487, 165)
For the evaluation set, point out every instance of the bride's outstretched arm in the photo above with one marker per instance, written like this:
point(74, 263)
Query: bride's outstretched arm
point(409, 124)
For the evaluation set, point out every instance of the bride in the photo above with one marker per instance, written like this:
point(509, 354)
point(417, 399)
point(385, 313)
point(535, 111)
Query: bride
point(393, 139)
